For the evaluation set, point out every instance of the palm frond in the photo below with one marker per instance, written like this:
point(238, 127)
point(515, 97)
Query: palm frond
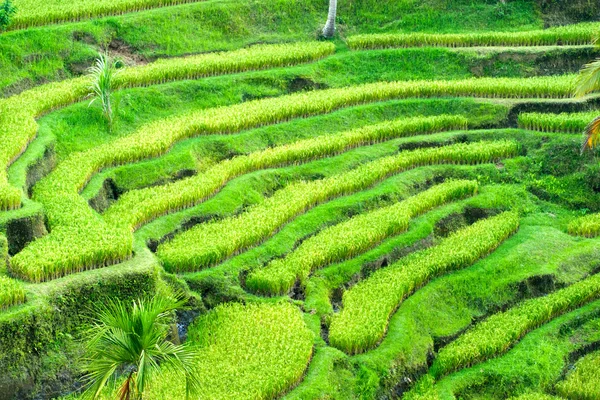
point(132, 339)
point(588, 79)
point(592, 135)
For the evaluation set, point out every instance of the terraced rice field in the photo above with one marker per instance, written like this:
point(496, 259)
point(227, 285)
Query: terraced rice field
point(402, 211)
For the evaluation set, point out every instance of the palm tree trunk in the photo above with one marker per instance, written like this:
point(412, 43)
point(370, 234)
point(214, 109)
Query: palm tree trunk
point(329, 29)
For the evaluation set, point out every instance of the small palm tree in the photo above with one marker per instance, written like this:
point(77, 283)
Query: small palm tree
point(102, 75)
point(130, 342)
point(587, 82)
point(329, 29)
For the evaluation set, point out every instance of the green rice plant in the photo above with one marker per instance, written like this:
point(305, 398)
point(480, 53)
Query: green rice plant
point(137, 207)
point(18, 113)
point(207, 244)
point(36, 13)
point(12, 292)
point(564, 122)
point(61, 256)
point(368, 305)
point(586, 226)
point(581, 382)
point(348, 239)
point(578, 34)
point(499, 332)
point(257, 351)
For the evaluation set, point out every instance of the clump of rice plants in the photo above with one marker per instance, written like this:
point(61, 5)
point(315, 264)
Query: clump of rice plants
point(351, 238)
point(497, 333)
point(581, 382)
point(12, 292)
point(565, 122)
point(208, 244)
point(587, 226)
point(368, 305)
point(35, 13)
point(578, 34)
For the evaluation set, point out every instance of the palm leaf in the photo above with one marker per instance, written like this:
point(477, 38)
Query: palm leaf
point(592, 134)
point(588, 79)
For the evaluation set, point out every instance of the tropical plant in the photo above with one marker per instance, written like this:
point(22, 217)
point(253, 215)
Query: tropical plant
point(587, 82)
point(129, 344)
point(329, 29)
point(102, 75)
point(7, 10)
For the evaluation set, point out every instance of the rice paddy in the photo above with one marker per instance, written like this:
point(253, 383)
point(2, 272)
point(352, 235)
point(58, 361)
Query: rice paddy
point(401, 211)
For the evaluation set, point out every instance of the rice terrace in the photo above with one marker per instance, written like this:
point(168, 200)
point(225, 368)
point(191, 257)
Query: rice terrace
point(299, 199)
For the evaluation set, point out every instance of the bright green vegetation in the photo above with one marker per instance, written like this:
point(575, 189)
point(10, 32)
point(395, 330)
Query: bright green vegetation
point(198, 248)
point(499, 332)
point(582, 381)
point(12, 292)
point(566, 122)
point(34, 13)
point(351, 238)
point(567, 35)
point(252, 351)
point(18, 113)
point(139, 206)
point(588, 226)
point(401, 212)
point(368, 306)
point(533, 367)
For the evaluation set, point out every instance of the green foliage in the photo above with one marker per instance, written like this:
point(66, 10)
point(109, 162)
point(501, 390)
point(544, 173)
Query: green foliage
point(565, 122)
point(7, 11)
point(582, 381)
point(497, 333)
point(12, 292)
point(368, 305)
point(137, 207)
point(18, 113)
point(351, 238)
point(567, 35)
point(132, 340)
point(207, 244)
point(102, 76)
point(253, 351)
point(34, 13)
